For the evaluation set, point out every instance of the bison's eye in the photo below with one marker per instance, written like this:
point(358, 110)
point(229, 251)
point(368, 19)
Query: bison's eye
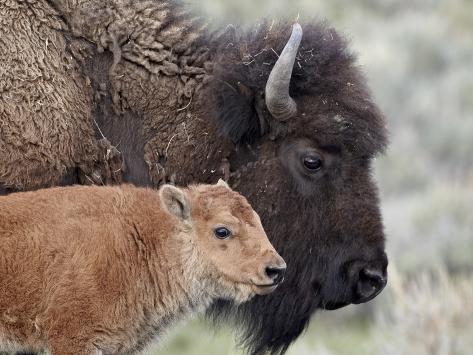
point(312, 163)
point(222, 233)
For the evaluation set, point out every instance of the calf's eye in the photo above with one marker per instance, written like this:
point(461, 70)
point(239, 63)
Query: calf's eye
point(312, 163)
point(222, 233)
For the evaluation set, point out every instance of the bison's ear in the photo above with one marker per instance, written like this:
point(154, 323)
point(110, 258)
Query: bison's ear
point(223, 183)
point(175, 201)
point(237, 111)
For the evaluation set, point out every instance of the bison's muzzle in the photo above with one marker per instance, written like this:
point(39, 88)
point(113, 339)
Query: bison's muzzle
point(365, 279)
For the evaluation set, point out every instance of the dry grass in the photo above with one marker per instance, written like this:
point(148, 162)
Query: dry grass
point(429, 315)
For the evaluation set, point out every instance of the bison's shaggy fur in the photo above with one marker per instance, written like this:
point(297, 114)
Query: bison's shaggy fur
point(171, 100)
point(46, 123)
point(87, 269)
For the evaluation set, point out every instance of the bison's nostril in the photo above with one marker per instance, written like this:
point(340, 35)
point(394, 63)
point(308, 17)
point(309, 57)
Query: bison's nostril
point(372, 276)
point(275, 273)
point(370, 283)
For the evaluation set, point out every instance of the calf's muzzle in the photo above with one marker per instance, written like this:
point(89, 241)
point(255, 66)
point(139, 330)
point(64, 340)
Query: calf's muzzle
point(274, 270)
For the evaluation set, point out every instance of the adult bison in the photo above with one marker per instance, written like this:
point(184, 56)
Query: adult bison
point(140, 91)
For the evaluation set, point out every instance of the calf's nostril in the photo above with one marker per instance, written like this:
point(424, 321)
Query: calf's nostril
point(275, 273)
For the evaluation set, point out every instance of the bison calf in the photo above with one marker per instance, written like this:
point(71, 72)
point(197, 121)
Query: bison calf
point(88, 270)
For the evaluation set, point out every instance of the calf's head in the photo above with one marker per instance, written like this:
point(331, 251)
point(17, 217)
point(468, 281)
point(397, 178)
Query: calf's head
point(234, 256)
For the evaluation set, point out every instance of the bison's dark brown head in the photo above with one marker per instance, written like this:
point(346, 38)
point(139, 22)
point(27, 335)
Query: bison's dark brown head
point(306, 132)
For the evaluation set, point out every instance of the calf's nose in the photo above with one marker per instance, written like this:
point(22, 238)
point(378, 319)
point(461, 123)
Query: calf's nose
point(276, 273)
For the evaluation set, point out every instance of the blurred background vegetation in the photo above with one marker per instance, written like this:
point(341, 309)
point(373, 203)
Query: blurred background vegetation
point(418, 56)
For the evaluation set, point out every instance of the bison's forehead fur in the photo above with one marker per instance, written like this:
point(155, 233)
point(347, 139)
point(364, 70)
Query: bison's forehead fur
point(334, 104)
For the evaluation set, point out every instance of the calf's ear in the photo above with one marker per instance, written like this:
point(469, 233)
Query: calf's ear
point(223, 183)
point(175, 201)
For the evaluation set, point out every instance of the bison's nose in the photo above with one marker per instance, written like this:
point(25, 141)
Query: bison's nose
point(276, 273)
point(370, 283)
point(368, 280)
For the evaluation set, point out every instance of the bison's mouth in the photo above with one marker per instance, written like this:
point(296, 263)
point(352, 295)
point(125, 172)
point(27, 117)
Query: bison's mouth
point(331, 306)
point(364, 292)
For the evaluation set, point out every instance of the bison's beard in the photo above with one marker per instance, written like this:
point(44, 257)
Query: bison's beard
point(270, 323)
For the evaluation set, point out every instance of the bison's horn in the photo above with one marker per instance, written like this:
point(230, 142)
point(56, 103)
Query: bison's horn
point(278, 101)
